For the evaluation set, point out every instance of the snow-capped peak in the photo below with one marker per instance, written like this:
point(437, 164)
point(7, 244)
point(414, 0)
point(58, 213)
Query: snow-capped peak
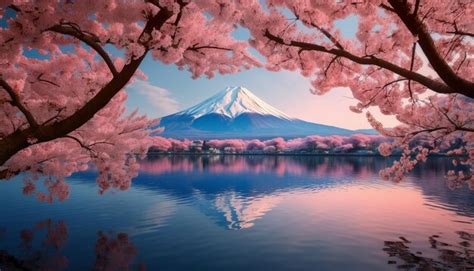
point(232, 102)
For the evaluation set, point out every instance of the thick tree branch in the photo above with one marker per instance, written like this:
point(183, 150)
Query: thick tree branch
point(434, 85)
point(417, 6)
point(442, 68)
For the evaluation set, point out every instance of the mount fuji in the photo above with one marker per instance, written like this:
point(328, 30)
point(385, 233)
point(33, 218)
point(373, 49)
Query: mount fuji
point(236, 112)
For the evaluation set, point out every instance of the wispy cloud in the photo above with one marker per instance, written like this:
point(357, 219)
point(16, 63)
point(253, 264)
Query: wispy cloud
point(150, 99)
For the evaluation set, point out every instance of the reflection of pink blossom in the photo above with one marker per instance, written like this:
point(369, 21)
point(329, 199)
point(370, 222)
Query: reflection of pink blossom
point(49, 256)
point(239, 164)
point(114, 253)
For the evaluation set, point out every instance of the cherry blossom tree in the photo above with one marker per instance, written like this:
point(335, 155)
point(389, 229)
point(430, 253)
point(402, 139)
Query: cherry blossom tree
point(63, 65)
point(310, 143)
point(409, 58)
point(232, 145)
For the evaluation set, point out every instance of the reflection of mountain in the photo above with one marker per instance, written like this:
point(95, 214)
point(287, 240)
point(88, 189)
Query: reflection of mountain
point(235, 191)
point(234, 211)
point(241, 213)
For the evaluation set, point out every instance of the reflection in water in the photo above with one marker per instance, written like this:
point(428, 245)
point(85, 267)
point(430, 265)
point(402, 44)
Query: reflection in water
point(457, 257)
point(280, 165)
point(246, 213)
point(41, 248)
point(236, 203)
point(250, 186)
point(115, 252)
point(240, 213)
point(45, 257)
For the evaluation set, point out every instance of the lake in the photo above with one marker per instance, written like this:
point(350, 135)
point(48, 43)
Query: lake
point(245, 213)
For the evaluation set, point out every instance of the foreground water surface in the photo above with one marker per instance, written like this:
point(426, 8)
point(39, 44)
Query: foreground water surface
point(244, 213)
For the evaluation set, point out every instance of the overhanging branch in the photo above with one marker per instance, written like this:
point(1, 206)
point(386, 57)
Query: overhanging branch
point(442, 68)
point(434, 85)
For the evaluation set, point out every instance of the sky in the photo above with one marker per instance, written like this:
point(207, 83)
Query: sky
point(169, 90)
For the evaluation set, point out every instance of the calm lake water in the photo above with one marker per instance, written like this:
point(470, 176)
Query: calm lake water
point(244, 213)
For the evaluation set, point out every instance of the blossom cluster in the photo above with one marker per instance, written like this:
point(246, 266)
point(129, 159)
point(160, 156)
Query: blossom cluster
point(315, 143)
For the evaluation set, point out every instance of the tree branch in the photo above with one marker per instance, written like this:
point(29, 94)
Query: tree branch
point(461, 33)
point(322, 30)
point(92, 41)
point(84, 146)
point(17, 102)
point(434, 85)
point(417, 6)
point(329, 65)
point(195, 48)
point(412, 63)
point(40, 79)
point(442, 68)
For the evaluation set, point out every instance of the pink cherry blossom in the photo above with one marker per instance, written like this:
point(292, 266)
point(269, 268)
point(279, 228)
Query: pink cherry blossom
point(310, 143)
point(410, 59)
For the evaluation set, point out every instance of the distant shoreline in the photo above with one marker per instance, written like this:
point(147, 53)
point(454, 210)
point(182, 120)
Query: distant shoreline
point(285, 154)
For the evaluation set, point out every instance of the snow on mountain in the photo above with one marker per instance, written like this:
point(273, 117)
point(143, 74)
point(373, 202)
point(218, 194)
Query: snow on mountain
point(232, 102)
point(236, 112)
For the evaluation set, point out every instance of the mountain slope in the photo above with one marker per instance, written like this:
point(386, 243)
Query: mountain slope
point(237, 113)
point(232, 102)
